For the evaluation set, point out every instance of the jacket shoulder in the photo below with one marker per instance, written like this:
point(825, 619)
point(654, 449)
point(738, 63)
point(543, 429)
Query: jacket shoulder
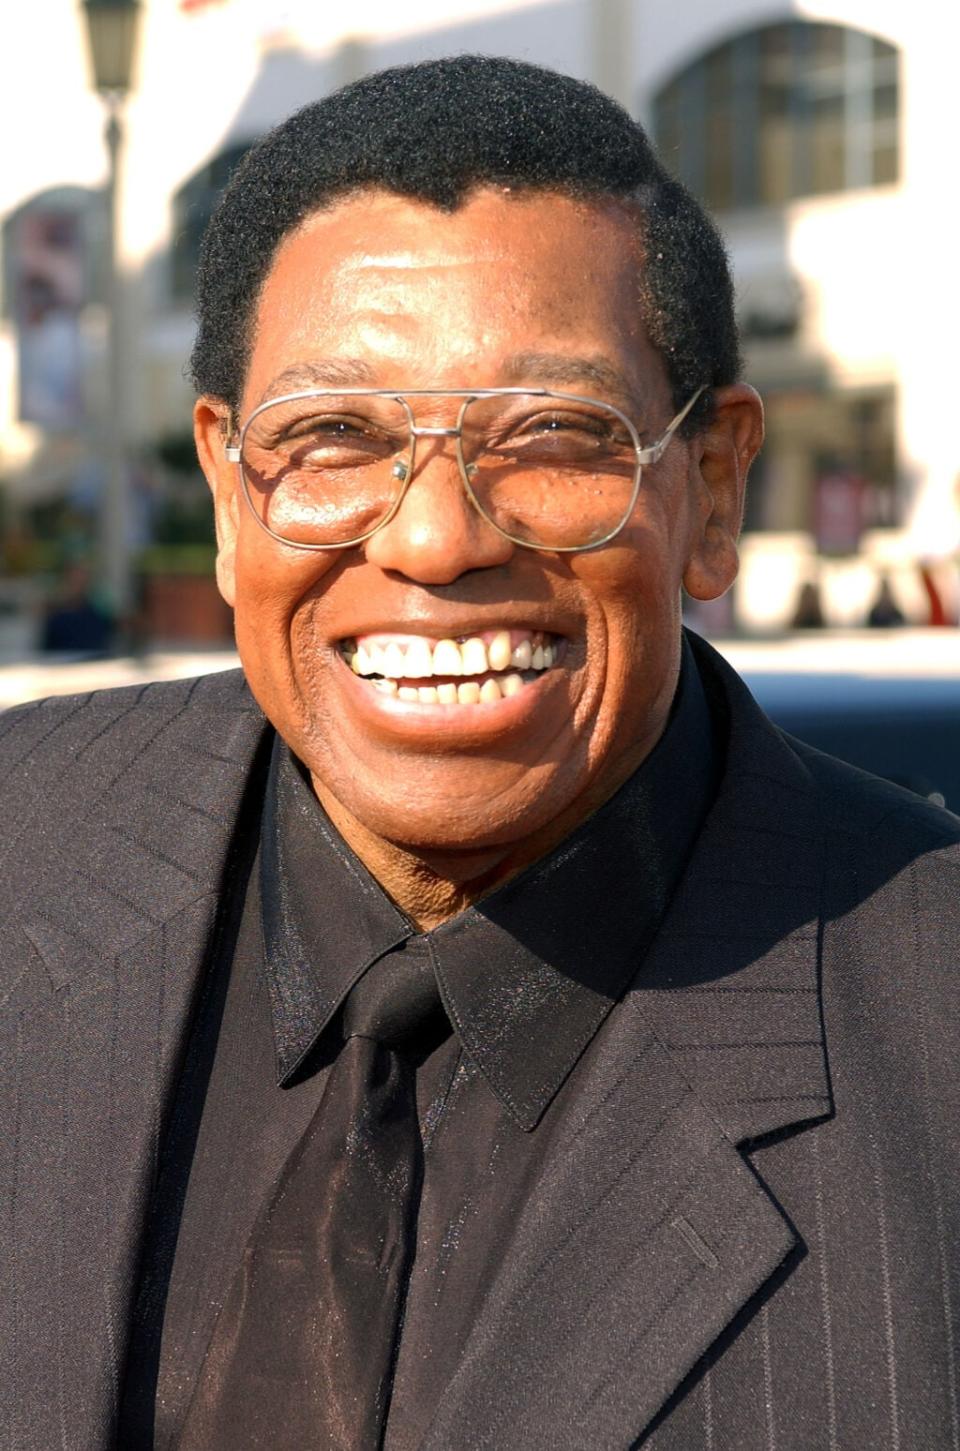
point(874, 811)
point(872, 815)
point(53, 748)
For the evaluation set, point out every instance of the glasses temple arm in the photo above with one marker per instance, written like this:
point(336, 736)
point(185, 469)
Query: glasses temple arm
point(655, 452)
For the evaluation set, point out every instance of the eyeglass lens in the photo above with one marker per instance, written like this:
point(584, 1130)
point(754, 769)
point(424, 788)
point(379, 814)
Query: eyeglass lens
point(544, 470)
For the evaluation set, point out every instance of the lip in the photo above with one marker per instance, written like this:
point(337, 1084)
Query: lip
point(434, 627)
point(453, 726)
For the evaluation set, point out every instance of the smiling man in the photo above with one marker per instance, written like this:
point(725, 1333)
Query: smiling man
point(473, 1026)
point(466, 674)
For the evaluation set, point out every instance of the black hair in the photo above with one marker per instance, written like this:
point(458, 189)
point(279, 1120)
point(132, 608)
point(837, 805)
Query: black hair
point(433, 132)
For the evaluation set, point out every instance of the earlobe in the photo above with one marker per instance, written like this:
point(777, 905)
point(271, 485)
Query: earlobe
point(728, 447)
point(210, 423)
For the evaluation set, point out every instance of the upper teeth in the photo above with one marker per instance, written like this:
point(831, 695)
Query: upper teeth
point(415, 658)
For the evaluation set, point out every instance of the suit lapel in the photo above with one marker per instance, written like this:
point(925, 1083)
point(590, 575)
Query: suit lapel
point(107, 950)
point(643, 1238)
point(732, 986)
point(648, 1230)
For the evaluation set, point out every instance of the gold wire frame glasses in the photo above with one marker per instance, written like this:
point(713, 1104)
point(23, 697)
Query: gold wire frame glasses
point(325, 468)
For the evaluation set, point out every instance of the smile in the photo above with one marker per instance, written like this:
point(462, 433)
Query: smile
point(480, 670)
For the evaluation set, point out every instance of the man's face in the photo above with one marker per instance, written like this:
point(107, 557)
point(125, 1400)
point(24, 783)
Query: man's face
point(507, 290)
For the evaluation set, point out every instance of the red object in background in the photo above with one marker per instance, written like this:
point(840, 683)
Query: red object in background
point(185, 610)
point(938, 613)
point(188, 5)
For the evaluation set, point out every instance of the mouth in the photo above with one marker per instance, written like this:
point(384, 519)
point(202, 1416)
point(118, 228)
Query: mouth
point(478, 670)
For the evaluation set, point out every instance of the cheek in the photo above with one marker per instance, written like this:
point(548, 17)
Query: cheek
point(632, 586)
point(273, 580)
point(278, 597)
point(634, 590)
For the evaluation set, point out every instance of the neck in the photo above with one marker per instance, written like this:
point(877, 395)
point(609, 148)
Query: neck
point(428, 887)
point(432, 886)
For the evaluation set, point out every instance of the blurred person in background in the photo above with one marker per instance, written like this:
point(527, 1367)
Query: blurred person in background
point(885, 613)
point(472, 1025)
point(808, 611)
point(75, 623)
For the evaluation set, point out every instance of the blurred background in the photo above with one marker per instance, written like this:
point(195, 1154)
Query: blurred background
point(820, 135)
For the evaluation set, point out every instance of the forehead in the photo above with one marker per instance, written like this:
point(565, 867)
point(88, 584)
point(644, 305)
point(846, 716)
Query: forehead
point(381, 291)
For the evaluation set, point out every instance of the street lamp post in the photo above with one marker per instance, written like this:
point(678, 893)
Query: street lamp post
point(112, 27)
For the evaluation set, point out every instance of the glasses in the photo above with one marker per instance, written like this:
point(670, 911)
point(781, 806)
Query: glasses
point(326, 468)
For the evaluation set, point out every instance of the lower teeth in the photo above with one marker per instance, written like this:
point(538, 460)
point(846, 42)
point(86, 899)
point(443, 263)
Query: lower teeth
point(464, 692)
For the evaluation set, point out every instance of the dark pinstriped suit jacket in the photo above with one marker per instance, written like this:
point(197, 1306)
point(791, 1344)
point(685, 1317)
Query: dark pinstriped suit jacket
point(747, 1234)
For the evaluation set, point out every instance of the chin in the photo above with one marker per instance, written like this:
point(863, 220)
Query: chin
point(425, 817)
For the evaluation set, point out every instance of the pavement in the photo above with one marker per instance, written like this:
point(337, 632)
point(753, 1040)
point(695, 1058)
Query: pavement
point(44, 675)
point(903, 652)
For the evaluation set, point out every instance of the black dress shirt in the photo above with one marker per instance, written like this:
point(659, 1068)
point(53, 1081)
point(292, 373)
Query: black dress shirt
point(527, 977)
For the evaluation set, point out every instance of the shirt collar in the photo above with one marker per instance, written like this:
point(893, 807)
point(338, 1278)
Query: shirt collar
point(528, 974)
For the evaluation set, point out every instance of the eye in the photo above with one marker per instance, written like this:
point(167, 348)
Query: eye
point(329, 427)
point(568, 434)
point(557, 422)
point(330, 441)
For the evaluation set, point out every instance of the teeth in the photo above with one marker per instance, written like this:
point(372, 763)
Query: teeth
point(414, 659)
point(473, 654)
point(393, 662)
point(499, 651)
point(522, 656)
point(447, 659)
point(419, 659)
point(468, 692)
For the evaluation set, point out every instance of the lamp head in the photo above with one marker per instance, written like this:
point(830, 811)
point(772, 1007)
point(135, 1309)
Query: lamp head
point(112, 27)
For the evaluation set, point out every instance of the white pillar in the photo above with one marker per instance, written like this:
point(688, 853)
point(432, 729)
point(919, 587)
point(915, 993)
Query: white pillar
point(924, 282)
point(611, 29)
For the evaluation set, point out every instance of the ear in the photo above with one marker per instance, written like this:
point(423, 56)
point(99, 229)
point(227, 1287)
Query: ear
point(722, 455)
point(211, 430)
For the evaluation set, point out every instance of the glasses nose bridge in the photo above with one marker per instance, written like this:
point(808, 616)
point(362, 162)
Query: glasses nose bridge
point(404, 472)
point(423, 431)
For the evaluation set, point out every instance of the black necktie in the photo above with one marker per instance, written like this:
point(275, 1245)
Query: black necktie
point(302, 1354)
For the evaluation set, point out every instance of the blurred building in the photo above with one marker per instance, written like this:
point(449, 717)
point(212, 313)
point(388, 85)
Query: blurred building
point(819, 134)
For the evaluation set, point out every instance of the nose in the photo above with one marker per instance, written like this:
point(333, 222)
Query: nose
point(437, 534)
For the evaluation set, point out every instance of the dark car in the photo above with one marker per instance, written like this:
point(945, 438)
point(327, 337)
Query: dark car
point(890, 705)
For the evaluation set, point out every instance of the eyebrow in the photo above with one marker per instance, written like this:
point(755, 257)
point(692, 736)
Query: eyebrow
point(546, 369)
point(567, 371)
point(320, 373)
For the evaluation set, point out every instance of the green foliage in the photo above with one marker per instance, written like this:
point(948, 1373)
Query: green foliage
point(178, 558)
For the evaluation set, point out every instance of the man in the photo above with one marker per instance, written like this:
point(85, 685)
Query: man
point(478, 1027)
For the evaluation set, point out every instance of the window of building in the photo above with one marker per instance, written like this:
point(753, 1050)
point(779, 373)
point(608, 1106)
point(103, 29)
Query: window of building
point(193, 206)
point(791, 110)
point(818, 439)
point(53, 250)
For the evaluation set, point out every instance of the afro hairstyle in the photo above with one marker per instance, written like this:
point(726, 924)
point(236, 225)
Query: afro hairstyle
point(433, 132)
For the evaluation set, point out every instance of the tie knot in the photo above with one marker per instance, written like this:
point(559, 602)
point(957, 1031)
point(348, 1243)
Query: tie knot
point(397, 1001)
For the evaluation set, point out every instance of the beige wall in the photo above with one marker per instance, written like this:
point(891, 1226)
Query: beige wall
point(875, 268)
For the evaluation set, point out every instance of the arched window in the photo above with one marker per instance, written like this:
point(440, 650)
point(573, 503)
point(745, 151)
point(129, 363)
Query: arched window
point(790, 110)
point(52, 248)
point(193, 206)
